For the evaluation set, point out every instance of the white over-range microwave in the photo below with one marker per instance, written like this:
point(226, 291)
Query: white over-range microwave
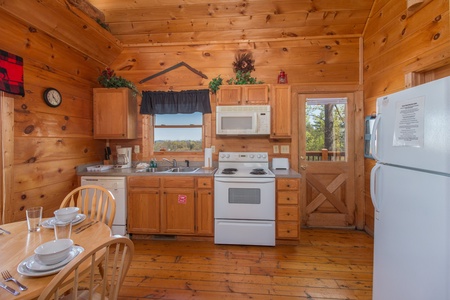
point(243, 120)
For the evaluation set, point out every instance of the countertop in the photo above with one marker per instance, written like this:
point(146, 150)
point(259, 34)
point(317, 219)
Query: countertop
point(286, 173)
point(82, 171)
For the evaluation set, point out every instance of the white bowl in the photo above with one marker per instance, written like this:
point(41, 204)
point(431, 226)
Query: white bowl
point(53, 252)
point(66, 213)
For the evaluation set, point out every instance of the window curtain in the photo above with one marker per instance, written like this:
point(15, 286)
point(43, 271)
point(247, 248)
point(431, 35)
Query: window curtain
point(184, 102)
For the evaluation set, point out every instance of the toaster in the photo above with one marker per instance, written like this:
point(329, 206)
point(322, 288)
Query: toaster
point(280, 163)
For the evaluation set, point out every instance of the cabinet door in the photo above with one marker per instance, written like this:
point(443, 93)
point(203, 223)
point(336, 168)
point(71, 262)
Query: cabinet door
point(178, 211)
point(143, 211)
point(255, 94)
point(280, 104)
point(115, 114)
point(229, 95)
point(205, 212)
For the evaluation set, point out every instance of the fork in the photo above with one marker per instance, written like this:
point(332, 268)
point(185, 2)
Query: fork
point(7, 276)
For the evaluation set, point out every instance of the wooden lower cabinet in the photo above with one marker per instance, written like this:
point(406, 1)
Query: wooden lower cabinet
point(288, 212)
point(170, 205)
point(144, 211)
point(178, 211)
point(205, 206)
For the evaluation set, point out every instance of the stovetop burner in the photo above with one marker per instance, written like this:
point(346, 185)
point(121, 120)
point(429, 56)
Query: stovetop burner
point(229, 171)
point(258, 172)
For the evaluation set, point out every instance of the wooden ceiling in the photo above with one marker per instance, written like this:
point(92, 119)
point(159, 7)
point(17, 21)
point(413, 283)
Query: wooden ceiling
point(222, 21)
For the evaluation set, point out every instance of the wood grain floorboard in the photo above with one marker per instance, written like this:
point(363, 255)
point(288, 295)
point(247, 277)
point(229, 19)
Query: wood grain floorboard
point(327, 264)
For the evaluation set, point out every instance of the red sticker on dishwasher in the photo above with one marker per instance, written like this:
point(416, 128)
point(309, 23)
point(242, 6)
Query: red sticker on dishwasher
point(182, 199)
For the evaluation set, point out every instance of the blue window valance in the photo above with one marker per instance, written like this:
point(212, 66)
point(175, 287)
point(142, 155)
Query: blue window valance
point(184, 102)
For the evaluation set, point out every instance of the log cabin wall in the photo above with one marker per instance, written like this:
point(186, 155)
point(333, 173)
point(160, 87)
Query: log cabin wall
point(325, 61)
point(398, 42)
point(57, 45)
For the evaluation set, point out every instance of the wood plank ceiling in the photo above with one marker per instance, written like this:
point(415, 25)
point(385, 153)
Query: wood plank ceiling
point(205, 21)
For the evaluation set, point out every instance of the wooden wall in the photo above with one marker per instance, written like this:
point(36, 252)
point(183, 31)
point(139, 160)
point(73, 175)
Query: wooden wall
point(58, 48)
point(395, 44)
point(323, 60)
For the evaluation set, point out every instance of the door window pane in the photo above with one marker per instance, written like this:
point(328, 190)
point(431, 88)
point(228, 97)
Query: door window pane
point(326, 129)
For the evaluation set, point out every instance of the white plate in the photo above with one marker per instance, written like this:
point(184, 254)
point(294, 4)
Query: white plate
point(49, 223)
point(39, 270)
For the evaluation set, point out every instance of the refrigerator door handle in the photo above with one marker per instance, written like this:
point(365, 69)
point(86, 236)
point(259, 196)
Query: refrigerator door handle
point(373, 139)
point(373, 187)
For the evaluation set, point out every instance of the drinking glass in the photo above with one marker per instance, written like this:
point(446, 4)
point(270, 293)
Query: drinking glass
point(63, 229)
point(34, 217)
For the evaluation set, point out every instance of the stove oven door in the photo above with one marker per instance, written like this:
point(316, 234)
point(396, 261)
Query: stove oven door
point(244, 211)
point(244, 198)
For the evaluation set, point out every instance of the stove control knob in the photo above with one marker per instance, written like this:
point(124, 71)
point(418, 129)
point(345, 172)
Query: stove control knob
point(251, 155)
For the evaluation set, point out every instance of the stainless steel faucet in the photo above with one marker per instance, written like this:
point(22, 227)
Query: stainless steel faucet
point(173, 162)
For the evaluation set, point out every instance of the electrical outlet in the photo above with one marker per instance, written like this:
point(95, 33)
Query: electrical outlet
point(213, 149)
point(285, 149)
point(276, 149)
point(137, 149)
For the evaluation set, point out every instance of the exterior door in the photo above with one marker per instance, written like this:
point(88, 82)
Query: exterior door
point(326, 159)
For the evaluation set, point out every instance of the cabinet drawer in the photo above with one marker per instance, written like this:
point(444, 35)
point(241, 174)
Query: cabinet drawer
point(287, 230)
point(205, 182)
point(288, 184)
point(287, 197)
point(143, 181)
point(287, 213)
point(177, 182)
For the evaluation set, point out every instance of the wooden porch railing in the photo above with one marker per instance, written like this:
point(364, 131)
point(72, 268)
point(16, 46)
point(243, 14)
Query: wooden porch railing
point(325, 155)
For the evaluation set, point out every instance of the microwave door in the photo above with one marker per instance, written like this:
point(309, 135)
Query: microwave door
point(237, 123)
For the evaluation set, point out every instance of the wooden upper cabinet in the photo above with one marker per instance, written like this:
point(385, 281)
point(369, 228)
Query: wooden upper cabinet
point(115, 113)
point(281, 106)
point(251, 94)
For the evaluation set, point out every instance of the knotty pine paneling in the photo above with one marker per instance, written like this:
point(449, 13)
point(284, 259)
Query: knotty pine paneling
point(393, 42)
point(149, 22)
point(48, 142)
point(68, 24)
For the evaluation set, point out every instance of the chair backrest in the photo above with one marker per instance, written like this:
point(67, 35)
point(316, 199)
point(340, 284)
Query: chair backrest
point(80, 278)
point(96, 202)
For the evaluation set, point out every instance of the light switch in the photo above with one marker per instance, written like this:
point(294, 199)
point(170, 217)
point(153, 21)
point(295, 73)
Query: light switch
point(136, 149)
point(276, 149)
point(285, 149)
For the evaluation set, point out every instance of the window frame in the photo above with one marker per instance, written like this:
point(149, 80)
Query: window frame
point(179, 153)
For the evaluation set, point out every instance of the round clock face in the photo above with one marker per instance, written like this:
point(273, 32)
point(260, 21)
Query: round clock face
point(52, 97)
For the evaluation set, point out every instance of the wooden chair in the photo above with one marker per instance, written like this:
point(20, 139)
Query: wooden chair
point(79, 279)
point(96, 202)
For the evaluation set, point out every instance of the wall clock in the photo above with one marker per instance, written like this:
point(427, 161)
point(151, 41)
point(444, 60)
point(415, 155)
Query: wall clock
point(52, 97)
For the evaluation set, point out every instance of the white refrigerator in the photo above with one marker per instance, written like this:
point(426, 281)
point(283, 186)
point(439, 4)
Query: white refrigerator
point(410, 190)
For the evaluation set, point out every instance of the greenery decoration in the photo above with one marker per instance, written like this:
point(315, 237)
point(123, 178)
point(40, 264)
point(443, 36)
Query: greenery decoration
point(244, 78)
point(103, 24)
point(215, 84)
point(243, 66)
point(109, 79)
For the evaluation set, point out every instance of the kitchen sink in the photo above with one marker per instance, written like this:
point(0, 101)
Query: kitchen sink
point(170, 170)
point(182, 170)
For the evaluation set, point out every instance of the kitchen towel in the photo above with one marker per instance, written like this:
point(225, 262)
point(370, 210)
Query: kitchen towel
point(11, 73)
point(208, 157)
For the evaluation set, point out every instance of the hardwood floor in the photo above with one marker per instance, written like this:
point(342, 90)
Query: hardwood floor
point(327, 264)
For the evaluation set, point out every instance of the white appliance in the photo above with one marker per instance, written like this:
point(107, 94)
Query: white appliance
point(243, 120)
point(244, 199)
point(117, 186)
point(123, 158)
point(410, 189)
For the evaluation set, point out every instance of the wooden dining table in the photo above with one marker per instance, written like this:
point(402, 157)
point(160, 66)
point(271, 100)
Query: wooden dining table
point(20, 244)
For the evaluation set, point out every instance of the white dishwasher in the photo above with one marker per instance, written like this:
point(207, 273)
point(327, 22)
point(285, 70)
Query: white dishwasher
point(117, 186)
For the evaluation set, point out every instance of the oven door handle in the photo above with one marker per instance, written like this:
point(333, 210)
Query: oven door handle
point(241, 180)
